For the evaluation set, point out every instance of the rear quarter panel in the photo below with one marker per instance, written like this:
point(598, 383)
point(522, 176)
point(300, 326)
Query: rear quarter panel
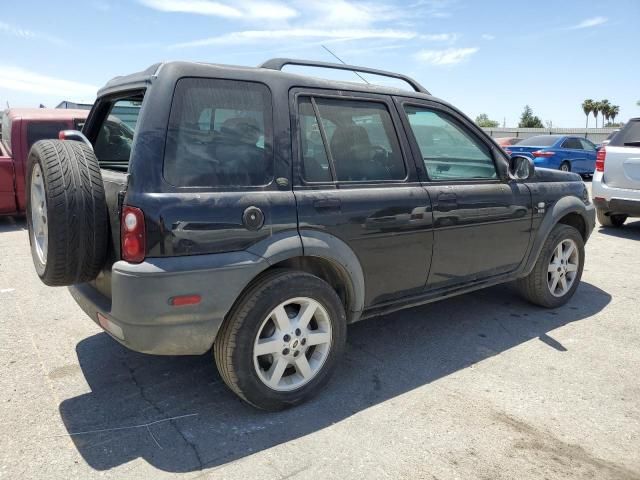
point(7, 183)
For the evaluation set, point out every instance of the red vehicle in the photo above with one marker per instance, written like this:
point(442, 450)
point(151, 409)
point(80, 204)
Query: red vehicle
point(21, 128)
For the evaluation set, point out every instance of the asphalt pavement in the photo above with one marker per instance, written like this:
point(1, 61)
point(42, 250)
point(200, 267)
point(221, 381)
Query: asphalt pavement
point(481, 386)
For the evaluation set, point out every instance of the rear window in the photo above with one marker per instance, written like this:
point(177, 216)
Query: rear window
point(629, 135)
point(43, 131)
point(219, 134)
point(6, 130)
point(538, 141)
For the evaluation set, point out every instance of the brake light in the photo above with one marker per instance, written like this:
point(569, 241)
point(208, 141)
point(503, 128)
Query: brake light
point(600, 158)
point(132, 234)
point(543, 153)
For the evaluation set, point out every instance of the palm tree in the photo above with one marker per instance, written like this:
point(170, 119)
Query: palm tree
point(605, 105)
point(587, 108)
point(595, 109)
point(615, 111)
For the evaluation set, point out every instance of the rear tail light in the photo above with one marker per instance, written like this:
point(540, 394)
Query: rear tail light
point(543, 154)
point(600, 158)
point(132, 234)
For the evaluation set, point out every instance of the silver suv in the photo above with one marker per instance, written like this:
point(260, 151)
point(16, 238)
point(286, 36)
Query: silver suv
point(616, 181)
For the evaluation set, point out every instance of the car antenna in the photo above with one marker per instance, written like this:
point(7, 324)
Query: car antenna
point(341, 61)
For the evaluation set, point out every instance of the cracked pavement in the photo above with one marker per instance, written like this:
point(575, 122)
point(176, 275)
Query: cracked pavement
point(479, 386)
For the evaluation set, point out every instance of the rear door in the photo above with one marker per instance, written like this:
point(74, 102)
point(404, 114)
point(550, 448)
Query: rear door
point(590, 155)
point(482, 224)
point(575, 154)
point(622, 164)
point(354, 182)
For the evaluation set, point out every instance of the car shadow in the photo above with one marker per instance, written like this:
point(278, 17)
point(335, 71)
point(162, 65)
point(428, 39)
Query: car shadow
point(133, 394)
point(12, 224)
point(630, 230)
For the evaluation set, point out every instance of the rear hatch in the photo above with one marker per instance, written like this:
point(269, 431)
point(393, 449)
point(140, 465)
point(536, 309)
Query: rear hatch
point(111, 128)
point(622, 163)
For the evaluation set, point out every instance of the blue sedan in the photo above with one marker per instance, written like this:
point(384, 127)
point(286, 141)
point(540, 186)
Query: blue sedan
point(560, 152)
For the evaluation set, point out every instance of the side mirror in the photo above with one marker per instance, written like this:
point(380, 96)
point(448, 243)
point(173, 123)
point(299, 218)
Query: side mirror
point(521, 167)
point(75, 135)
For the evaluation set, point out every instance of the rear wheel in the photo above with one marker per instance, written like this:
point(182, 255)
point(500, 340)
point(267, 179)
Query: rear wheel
point(279, 345)
point(565, 167)
point(610, 220)
point(558, 270)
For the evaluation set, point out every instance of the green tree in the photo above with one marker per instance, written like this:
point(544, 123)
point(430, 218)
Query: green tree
point(605, 107)
point(484, 121)
point(595, 109)
point(614, 112)
point(529, 120)
point(587, 108)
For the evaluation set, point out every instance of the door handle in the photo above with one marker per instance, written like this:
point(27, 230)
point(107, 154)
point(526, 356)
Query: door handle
point(327, 204)
point(447, 201)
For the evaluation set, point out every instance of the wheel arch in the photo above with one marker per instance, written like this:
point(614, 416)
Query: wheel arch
point(568, 210)
point(322, 255)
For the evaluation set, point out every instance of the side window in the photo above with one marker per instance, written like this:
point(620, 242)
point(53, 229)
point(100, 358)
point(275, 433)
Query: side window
point(115, 138)
point(361, 140)
point(43, 131)
point(572, 143)
point(449, 152)
point(587, 145)
point(219, 134)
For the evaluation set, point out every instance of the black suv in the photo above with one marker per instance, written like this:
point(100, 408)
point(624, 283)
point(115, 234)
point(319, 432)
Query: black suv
point(259, 212)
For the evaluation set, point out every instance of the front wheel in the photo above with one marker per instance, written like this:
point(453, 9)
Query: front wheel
point(280, 343)
point(557, 272)
point(565, 167)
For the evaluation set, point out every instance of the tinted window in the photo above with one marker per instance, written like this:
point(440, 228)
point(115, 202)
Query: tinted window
point(448, 150)
point(538, 141)
point(43, 131)
point(219, 134)
point(360, 137)
point(113, 144)
point(629, 135)
point(315, 164)
point(587, 145)
point(6, 130)
point(572, 143)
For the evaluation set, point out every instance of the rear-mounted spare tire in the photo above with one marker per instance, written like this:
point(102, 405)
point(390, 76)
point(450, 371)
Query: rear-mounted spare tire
point(66, 212)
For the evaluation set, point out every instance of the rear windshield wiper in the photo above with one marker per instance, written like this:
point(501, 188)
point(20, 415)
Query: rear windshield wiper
point(632, 144)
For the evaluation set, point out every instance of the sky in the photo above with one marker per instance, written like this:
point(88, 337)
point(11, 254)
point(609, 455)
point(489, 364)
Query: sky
point(486, 56)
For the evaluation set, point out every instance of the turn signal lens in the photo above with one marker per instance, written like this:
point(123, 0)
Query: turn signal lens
point(132, 234)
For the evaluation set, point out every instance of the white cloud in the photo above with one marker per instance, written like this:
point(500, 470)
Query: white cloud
point(488, 36)
point(25, 34)
point(254, 36)
point(243, 9)
point(450, 56)
point(16, 78)
point(590, 22)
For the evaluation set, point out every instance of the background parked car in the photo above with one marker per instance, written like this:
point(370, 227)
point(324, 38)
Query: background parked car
point(616, 182)
point(560, 152)
point(21, 128)
point(507, 141)
point(606, 141)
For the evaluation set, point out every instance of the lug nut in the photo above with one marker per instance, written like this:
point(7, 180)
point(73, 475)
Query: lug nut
point(303, 341)
point(285, 351)
point(296, 353)
point(286, 338)
point(298, 332)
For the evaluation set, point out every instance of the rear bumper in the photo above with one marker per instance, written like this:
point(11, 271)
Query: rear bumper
point(140, 316)
point(615, 200)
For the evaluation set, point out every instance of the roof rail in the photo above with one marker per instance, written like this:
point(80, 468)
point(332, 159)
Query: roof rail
point(279, 63)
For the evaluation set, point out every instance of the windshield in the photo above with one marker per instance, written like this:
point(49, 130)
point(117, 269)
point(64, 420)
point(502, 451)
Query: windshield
point(538, 141)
